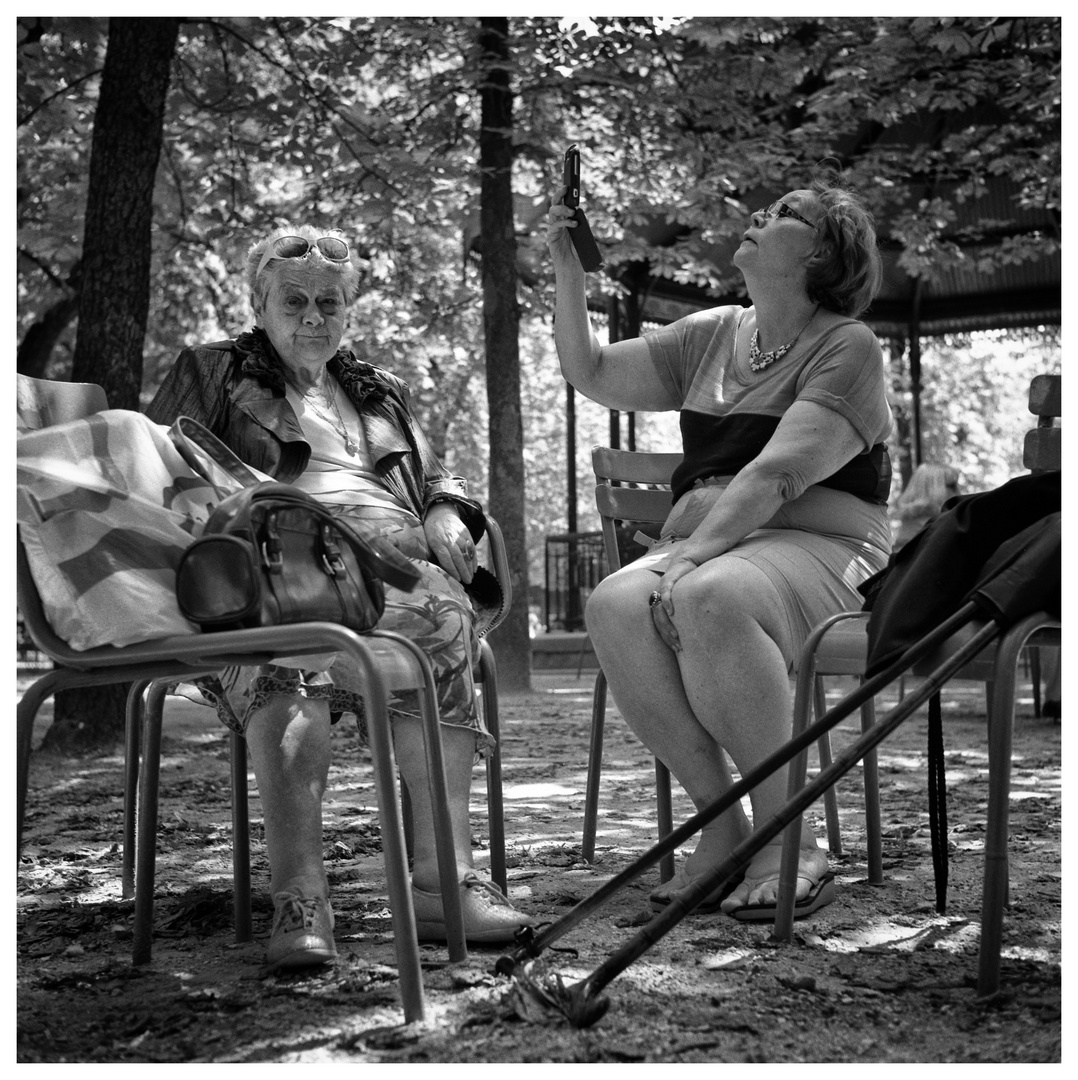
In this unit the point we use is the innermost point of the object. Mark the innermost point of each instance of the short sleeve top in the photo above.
(728, 412)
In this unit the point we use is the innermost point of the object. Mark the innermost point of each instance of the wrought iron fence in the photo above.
(575, 564)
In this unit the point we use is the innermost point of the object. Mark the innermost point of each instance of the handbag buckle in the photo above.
(333, 565)
(331, 554)
(271, 555)
(271, 547)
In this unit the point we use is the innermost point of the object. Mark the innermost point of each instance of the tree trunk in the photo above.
(115, 296)
(37, 346)
(501, 327)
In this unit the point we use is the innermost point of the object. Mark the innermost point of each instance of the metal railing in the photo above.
(575, 563)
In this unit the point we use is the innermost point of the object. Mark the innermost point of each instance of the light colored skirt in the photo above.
(815, 552)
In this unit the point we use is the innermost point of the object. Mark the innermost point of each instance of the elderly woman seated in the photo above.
(292, 403)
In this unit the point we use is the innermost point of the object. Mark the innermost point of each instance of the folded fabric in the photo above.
(106, 505)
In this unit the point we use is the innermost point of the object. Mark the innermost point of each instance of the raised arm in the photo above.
(619, 376)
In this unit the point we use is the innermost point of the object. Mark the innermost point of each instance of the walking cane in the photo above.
(582, 1002)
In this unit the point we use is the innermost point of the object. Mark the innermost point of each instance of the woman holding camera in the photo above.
(780, 510)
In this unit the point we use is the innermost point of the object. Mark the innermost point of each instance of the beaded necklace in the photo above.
(758, 360)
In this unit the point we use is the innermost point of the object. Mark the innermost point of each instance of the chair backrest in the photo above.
(1043, 449)
(630, 486)
(44, 403)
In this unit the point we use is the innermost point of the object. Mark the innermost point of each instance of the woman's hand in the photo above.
(662, 611)
(450, 541)
(559, 222)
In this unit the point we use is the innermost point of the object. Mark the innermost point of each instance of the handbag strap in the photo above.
(381, 558)
(376, 555)
(210, 457)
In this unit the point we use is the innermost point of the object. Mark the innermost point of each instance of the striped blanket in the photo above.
(106, 505)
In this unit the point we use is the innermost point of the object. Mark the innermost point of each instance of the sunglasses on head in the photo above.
(296, 247)
(780, 209)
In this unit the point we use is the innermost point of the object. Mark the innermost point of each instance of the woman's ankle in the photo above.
(310, 884)
(425, 876)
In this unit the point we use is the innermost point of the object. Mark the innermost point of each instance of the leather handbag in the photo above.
(272, 554)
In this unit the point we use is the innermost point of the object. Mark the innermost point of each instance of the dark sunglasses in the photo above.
(780, 210)
(296, 247)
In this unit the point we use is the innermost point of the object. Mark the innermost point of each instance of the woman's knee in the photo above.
(289, 720)
(726, 597)
(708, 594)
(611, 607)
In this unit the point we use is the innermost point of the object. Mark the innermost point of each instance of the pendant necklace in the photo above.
(758, 360)
(339, 425)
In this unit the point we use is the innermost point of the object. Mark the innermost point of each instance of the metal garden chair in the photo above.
(631, 486)
(386, 661)
(839, 646)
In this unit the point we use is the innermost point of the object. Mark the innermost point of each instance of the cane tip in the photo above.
(585, 1010)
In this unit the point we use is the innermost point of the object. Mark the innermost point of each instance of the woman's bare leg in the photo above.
(734, 639)
(646, 684)
(289, 744)
(488, 915)
(458, 747)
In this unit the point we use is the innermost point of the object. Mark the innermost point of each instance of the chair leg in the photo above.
(584, 646)
(807, 693)
(408, 818)
(1035, 679)
(1000, 738)
(663, 796)
(25, 715)
(398, 881)
(873, 824)
(495, 806)
(439, 794)
(791, 853)
(132, 741)
(664, 805)
(443, 834)
(830, 796)
(146, 848)
(595, 765)
(241, 838)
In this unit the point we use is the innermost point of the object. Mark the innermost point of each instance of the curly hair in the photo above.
(844, 268)
(351, 276)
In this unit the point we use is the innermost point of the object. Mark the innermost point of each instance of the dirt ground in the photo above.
(878, 976)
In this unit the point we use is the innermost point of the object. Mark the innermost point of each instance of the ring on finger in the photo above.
(654, 599)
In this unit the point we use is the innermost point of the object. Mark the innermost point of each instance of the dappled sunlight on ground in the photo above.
(879, 975)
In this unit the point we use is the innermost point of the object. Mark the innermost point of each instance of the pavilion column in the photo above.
(915, 370)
